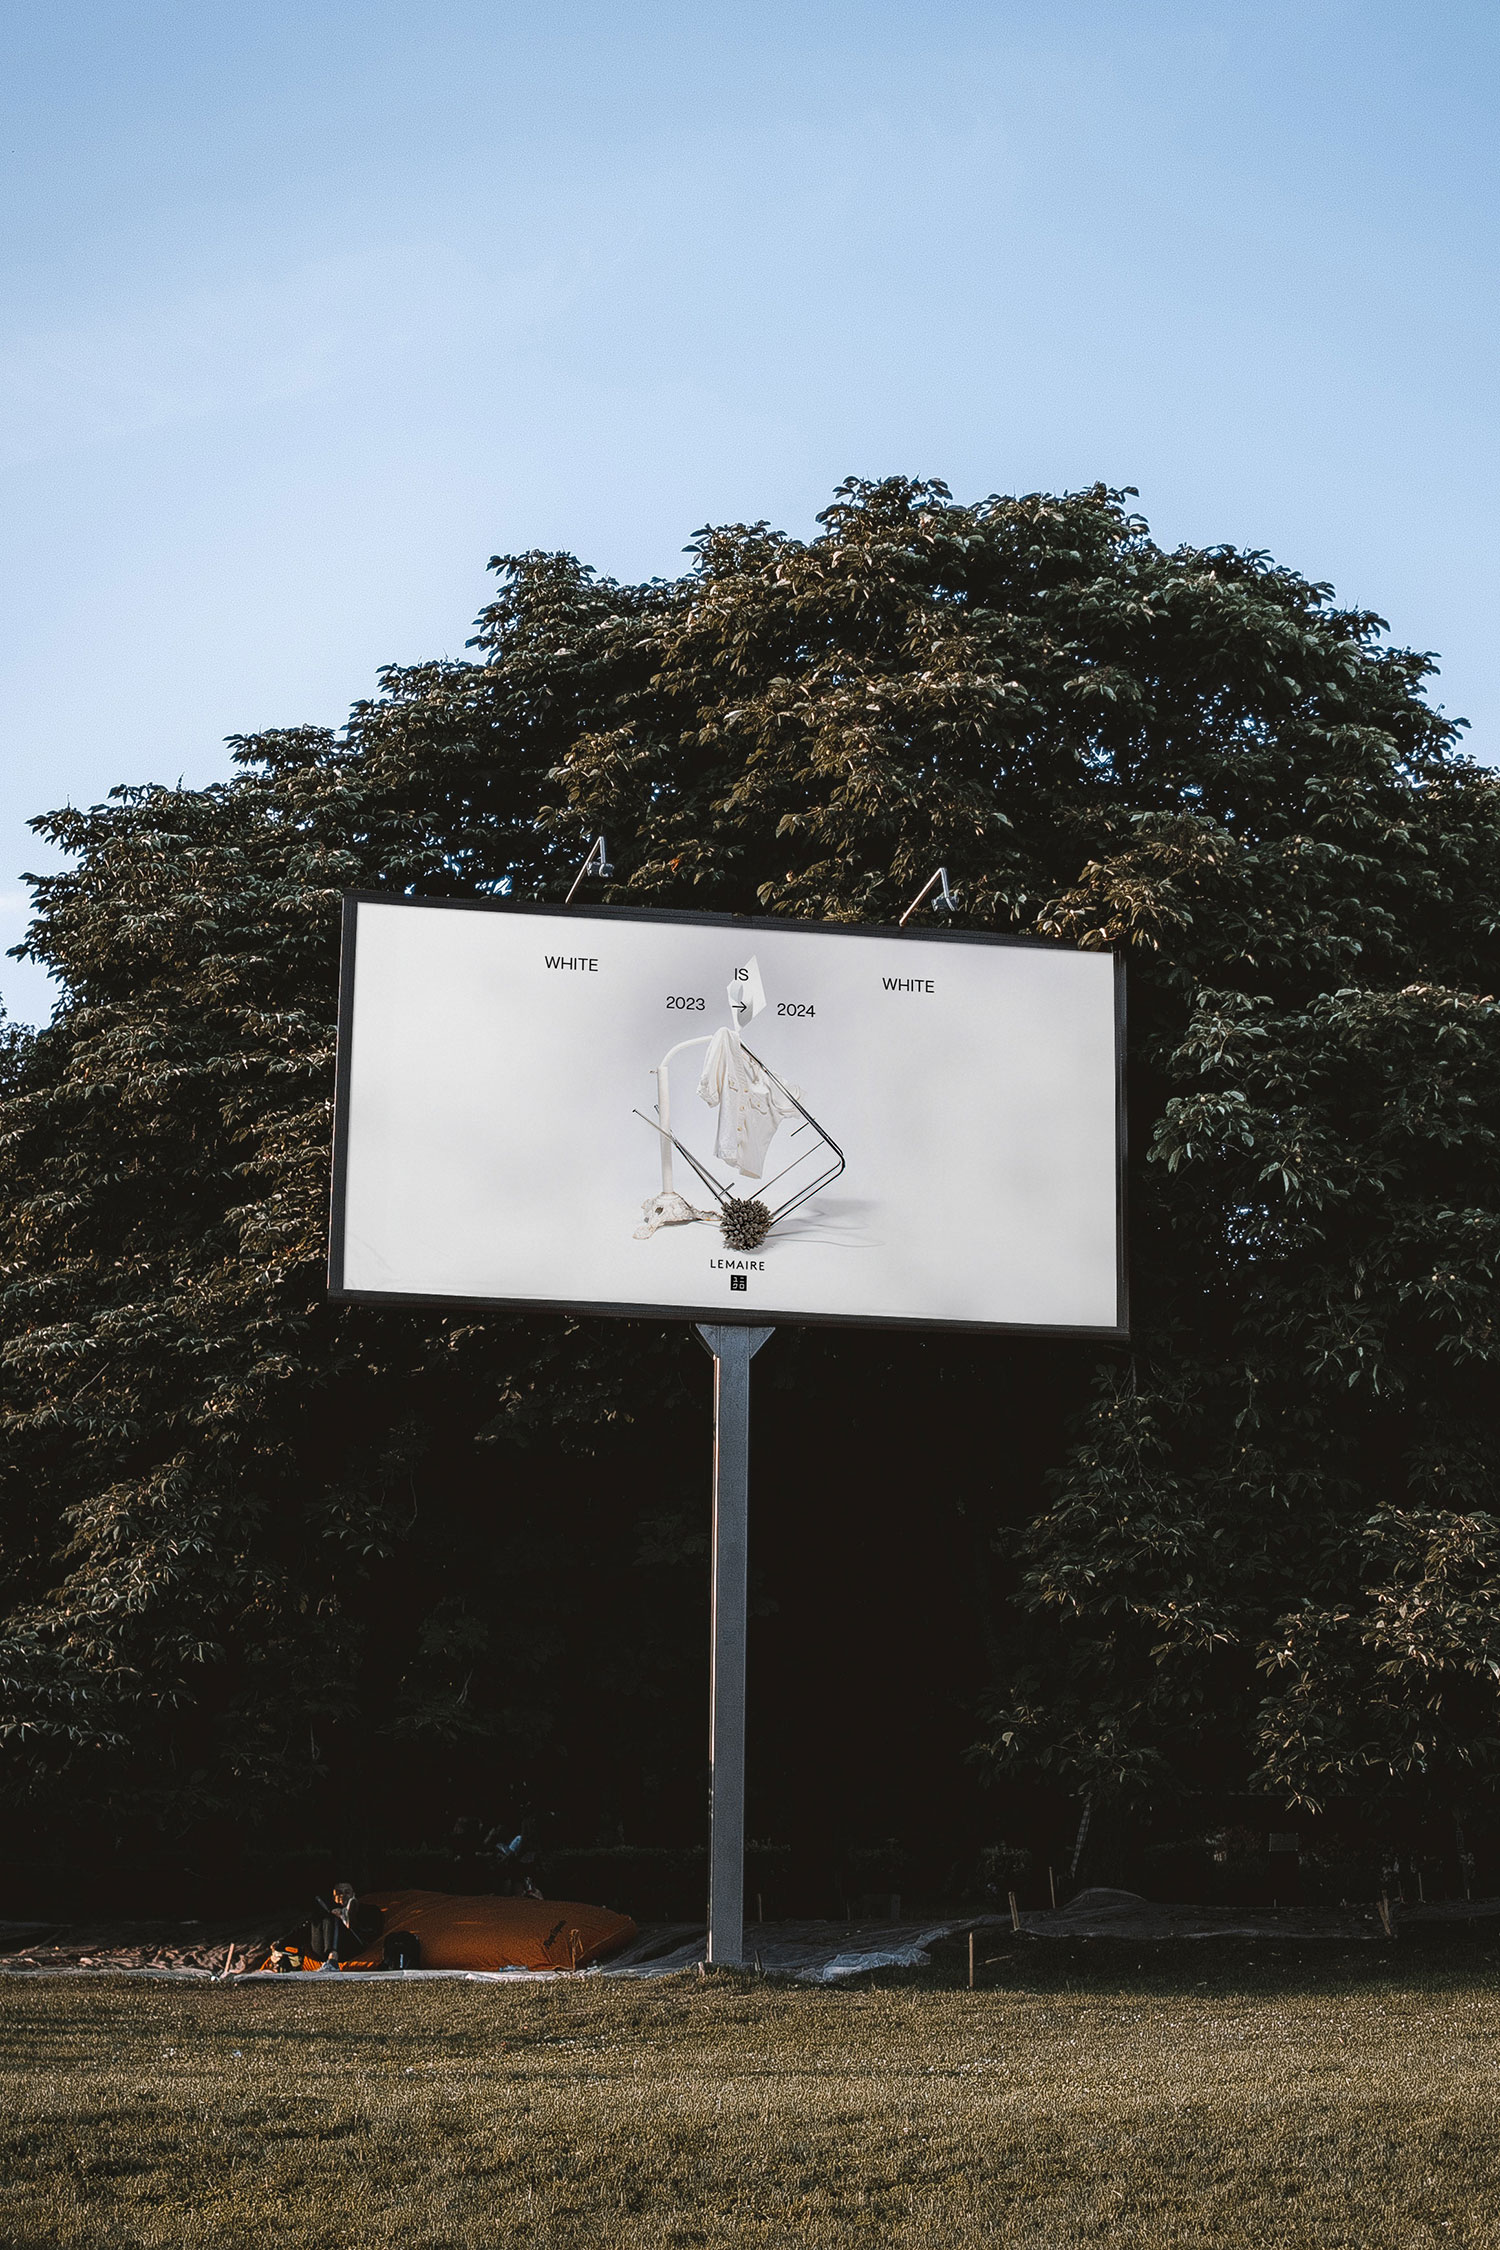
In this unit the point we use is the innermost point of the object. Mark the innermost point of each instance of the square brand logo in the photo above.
(739, 1281)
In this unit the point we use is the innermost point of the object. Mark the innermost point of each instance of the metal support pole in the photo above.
(733, 1348)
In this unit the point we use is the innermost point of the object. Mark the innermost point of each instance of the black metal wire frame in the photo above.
(824, 1179)
(725, 1196)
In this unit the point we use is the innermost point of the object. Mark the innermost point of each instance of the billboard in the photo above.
(717, 1118)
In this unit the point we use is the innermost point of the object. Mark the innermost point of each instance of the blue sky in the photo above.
(309, 309)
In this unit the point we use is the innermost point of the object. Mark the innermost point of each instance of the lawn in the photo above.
(1083, 2095)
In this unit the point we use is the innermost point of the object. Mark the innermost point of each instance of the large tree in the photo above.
(262, 1552)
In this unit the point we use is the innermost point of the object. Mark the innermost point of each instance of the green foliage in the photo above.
(1269, 1547)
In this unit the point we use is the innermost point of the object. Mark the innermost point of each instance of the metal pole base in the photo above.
(733, 1348)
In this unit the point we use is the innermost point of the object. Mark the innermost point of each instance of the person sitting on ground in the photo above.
(344, 1930)
(351, 1927)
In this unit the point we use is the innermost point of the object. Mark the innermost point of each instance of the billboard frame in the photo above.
(586, 1308)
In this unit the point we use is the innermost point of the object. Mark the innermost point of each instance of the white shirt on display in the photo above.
(750, 1107)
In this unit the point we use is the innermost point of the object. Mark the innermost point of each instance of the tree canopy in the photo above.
(250, 1538)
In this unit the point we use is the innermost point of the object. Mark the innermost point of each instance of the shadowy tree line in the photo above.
(277, 1567)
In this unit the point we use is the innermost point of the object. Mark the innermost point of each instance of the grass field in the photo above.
(1084, 2095)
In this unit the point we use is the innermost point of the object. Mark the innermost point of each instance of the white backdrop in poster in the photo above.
(494, 1062)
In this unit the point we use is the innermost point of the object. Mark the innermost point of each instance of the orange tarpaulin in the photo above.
(496, 1933)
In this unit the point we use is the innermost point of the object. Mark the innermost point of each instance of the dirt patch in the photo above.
(183, 1948)
(812, 1952)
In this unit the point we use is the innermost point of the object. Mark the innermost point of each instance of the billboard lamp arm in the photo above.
(597, 863)
(945, 902)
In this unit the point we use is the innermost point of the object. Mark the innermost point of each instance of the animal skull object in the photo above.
(668, 1209)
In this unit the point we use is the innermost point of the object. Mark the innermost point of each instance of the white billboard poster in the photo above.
(710, 1117)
